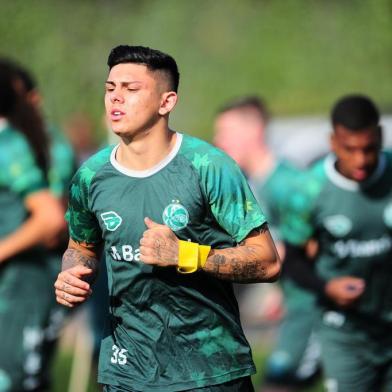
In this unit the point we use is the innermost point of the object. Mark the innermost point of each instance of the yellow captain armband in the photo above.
(191, 256)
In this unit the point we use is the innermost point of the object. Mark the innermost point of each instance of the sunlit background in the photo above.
(299, 55)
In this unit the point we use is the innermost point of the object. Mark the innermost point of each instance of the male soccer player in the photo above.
(240, 130)
(178, 224)
(346, 203)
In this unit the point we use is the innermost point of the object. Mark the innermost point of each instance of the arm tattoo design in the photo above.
(243, 264)
(73, 257)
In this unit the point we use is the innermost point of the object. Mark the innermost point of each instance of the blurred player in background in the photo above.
(174, 322)
(62, 166)
(240, 130)
(31, 219)
(345, 202)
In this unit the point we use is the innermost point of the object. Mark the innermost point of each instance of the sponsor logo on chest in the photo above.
(338, 225)
(174, 215)
(341, 226)
(111, 220)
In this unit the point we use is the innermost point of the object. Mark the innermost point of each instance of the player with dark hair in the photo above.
(30, 218)
(178, 224)
(240, 130)
(345, 203)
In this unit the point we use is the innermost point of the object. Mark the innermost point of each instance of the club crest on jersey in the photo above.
(338, 225)
(111, 220)
(175, 215)
(387, 215)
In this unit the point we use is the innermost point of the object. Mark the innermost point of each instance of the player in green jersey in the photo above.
(156, 203)
(240, 130)
(30, 218)
(346, 203)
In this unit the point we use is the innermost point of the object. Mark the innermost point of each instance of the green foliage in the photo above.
(300, 55)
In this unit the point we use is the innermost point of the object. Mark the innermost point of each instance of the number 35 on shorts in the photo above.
(119, 355)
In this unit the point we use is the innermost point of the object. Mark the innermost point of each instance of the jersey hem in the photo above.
(181, 386)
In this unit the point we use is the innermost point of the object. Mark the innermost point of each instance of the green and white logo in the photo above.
(175, 215)
(388, 215)
(112, 220)
(338, 225)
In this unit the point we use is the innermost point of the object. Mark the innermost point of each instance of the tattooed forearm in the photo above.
(73, 257)
(253, 260)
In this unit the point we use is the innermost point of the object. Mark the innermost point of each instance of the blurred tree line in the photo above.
(299, 54)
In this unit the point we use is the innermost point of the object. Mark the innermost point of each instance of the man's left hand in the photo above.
(159, 245)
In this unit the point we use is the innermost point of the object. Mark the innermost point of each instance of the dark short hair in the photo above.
(355, 112)
(8, 95)
(153, 59)
(251, 102)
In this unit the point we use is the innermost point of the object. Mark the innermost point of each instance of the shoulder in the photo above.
(15, 148)
(307, 186)
(92, 166)
(203, 155)
(13, 139)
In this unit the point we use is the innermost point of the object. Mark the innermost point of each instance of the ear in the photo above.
(332, 141)
(168, 101)
(381, 134)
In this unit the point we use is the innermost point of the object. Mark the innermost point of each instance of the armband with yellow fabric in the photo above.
(191, 256)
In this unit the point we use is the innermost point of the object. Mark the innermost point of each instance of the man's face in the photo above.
(237, 132)
(133, 97)
(357, 152)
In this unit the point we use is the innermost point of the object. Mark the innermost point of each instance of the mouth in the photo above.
(361, 174)
(116, 114)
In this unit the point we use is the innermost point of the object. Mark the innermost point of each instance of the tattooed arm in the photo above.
(254, 260)
(79, 269)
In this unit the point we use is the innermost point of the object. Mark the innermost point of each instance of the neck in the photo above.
(145, 150)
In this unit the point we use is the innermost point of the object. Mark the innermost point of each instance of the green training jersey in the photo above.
(19, 176)
(169, 331)
(25, 286)
(352, 222)
(272, 191)
(62, 163)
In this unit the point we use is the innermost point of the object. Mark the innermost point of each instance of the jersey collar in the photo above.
(149, 172)
(350, 185)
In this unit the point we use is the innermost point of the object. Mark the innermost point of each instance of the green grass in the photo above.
(62, 371)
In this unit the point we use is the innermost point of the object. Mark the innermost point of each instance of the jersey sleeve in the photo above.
(83, 225)
(63, 163)
(297, 225)
(231, 201)
(23, 174)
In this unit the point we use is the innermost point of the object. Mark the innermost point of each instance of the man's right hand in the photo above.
(71, 289)
(345, 290)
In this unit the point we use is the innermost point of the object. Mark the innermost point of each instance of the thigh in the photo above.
(23, 317)
(345, 367)
(387, 377)
(296, 354)
(243, 384)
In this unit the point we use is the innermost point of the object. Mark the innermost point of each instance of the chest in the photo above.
(120, 204)
(357, 215)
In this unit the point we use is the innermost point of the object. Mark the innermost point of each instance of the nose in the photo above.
(362, 159)
(116, 96)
